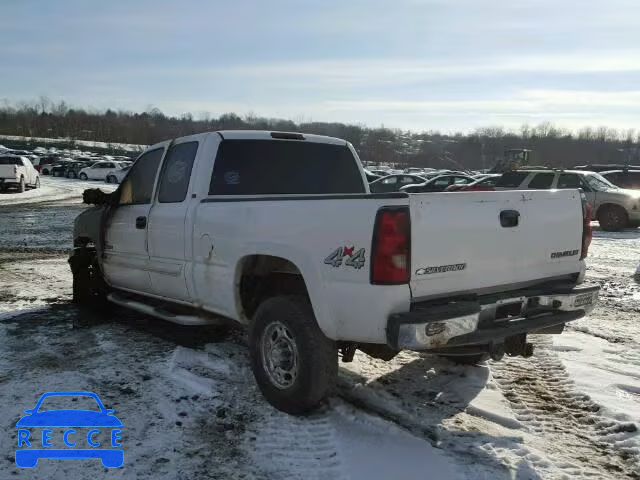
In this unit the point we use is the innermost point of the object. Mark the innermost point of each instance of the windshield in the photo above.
(66, 402)
(598, 182)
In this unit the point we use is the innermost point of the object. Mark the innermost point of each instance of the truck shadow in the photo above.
(431, 398)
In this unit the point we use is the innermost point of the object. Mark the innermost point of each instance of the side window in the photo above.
(569, 180)
(461, 180)
(541, 181)
(176, 172)
(511, 179)
(390, 181)
(408, 180)
(442, 182)
(137, 187)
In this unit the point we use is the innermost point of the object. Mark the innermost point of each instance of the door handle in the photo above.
(141, 222)
(509, 218)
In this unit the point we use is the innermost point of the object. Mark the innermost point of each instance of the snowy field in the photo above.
(191, 410)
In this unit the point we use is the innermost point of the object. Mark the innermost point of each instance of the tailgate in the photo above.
(459, 243)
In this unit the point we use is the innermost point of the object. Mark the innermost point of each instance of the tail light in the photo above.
(587, 231)
(390, 252)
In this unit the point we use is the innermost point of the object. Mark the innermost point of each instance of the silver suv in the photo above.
(615, 208)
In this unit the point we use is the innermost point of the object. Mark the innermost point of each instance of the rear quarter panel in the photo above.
(305, 232)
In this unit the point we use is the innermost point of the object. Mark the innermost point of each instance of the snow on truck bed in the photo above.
(191, 409)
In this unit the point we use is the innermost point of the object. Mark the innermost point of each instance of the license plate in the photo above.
(584, 299)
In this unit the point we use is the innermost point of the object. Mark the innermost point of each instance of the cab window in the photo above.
(137, 187)
(176, 172)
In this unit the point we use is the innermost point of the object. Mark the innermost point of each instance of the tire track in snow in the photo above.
(298, 447)
(572, 433)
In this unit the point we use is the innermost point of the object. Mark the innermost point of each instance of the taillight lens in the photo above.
(390, 253)
(587, 231)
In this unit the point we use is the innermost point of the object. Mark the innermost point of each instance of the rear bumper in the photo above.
(9, 181)
(490, 319)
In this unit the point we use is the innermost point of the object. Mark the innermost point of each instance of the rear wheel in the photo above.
(83, 176)
(112, 179)
(21, 185)
(612, 218)
(37, 182)
(294, 364)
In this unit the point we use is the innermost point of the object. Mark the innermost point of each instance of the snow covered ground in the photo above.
(191, 410)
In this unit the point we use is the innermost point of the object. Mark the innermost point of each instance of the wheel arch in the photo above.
(264, 275)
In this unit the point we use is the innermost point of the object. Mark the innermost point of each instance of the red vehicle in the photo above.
(485, 184)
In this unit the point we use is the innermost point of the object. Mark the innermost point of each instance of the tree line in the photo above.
(550, 145)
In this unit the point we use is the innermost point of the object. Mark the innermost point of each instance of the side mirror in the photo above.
(109, 411)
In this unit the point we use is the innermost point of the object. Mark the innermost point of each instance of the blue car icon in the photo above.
(28, 456)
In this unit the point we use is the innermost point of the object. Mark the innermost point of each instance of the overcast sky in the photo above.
(411, 64)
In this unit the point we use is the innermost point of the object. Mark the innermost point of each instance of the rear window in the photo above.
(541, 181)
(281, 167)
(511, 179)
(10, 161)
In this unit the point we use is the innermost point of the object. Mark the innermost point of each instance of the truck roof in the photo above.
(270, 135)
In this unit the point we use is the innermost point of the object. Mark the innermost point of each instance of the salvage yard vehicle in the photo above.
(393, 183)
(18, 172)
(438, 184)
(98, 171)
(615, 208)
(116, 175)
(278, 231)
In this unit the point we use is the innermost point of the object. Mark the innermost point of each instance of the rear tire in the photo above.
(21, 186)
(612, 218)
(37, 182)
(467, 359)
(294, 364)
(83, 176)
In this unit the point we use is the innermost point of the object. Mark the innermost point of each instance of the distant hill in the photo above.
(481, 149)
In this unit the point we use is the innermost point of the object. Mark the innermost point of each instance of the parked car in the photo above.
(45, 163)
(17, 171)
(371, 177)
(438, 184)
(98, 171)
(73, 168)
(605, 167)
(615, 208)
(278, 231)
(484, 184)
(116, 176)
(623, 178)
(393, 183)
(59, 169)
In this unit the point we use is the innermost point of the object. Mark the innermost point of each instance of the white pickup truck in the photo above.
(278, 231)
(18, 172)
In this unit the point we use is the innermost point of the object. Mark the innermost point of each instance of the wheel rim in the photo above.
(613, 218)
(279, 355)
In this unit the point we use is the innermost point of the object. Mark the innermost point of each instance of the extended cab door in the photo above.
(168, 235)
(126, 262)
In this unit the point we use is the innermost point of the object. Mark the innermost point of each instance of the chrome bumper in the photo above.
(488, 320)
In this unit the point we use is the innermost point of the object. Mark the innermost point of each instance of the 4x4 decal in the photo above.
(355, 259)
